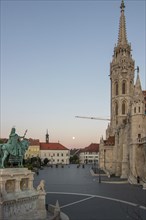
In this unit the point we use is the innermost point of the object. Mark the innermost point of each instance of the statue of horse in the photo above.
(7, 150)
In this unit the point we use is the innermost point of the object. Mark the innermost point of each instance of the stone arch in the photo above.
(124, 107)
(116, 107)
(124, 86)
(116, 88)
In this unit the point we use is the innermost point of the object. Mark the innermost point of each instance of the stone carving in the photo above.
(41, 186)
(19, 199)
(10, 186)
(15, 147)
(24, 184)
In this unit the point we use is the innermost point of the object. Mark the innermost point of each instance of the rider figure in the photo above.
(15, 141)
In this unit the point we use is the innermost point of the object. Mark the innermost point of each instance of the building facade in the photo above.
(33, 149)
(89, 155)
(56, 153)
(123, 153)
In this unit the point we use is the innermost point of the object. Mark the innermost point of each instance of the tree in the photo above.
(46, 161)
(74, 159)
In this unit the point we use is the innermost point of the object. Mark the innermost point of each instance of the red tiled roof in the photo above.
(91, 148)
(110, 140)
(52, 146)
(34, 141)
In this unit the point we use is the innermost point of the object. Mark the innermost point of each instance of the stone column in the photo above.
(17, 185)
(118, 162)
(124, 173)
(1, 206)
(133, 161)
(30, 183)
(2, 186)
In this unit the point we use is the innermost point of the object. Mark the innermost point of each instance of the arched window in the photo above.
(116, 88)
(123, 108)
(116, 108)
(124, 87)
(134, 109)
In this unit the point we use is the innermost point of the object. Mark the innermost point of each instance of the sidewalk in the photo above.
(104, 178)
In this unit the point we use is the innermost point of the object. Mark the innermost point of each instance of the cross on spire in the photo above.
(122, 6)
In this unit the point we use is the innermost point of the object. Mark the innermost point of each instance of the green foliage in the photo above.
(74, 159)
(31, 163)
(46, 161)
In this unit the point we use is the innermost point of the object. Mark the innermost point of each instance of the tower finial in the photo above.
(122, 6)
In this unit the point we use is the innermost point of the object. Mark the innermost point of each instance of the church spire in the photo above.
(137, 88)
(122, 38)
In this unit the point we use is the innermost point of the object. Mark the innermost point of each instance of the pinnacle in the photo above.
(122, 38)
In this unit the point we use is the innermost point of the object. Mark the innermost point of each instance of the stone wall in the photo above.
(18, 198)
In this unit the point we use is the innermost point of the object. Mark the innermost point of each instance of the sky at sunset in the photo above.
(55, 64)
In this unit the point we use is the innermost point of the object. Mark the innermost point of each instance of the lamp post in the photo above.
(99, 179)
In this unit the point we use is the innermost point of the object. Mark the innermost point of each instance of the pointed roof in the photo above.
(137, 88)
(122, 37)
(138, 83)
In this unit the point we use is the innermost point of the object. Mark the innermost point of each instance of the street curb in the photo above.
(108, 182)
(115, 182)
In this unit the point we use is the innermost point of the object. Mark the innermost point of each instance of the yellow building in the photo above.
(33, 149)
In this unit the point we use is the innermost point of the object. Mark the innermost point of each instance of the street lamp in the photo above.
(99, 179)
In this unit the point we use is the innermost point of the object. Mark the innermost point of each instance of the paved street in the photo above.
(82, 197)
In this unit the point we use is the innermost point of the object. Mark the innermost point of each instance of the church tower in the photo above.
(121, 76)
(47, 137)
(123, 152)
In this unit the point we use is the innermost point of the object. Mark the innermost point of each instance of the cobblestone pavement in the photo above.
(82, 197)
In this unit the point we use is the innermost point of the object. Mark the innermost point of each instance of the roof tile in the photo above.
(52, 146)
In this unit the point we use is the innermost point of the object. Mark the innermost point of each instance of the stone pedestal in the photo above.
(18, 198)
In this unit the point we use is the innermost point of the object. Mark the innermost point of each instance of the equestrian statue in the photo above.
(14, 149)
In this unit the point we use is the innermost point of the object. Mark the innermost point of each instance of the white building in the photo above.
(56, 153)
(89, 155)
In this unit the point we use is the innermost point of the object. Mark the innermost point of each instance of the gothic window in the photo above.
(124, 87)
(116, 88)
(123, 108)
(139, 109)
(116, 108)
(135, 110)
